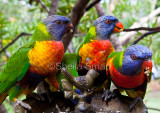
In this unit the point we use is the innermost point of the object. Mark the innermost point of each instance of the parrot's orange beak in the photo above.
(147, 66)
(69, 28)
(118, 27)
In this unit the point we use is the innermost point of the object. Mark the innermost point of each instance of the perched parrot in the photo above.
(131, 70)
(36, 60)
(96, 47)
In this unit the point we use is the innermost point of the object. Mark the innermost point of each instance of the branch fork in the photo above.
(84, 83)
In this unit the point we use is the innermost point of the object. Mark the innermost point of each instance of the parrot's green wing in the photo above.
(91, 35)
(15, 68)
(118, 59)
(70, 63)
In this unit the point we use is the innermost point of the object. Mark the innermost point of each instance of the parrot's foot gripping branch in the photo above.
(135, 102)
(108, 95)
(23, 104)
(36, 96)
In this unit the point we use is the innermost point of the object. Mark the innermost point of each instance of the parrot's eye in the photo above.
(107, 21)
(133, 57)
(58, 22)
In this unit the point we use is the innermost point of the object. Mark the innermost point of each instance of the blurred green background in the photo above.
(17, 16)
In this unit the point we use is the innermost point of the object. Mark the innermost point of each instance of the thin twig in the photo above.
(92, 4)
(79, 35)
(22, 34)
(6, 53)
(144, 35)
(44, 6)
(142, 28)
(156, 109)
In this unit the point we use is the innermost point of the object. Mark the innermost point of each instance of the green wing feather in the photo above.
(118, 59)
(18, 64)
(91, 35)
(15, 69)
(70, 63)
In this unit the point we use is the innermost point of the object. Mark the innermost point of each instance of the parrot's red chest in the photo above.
(124, 81)
(45, 57)
(94, 55)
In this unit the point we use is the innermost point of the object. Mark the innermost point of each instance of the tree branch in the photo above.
(60, 104)
(144, 35)
(57, 104)
(54, 7)
(22, 34)
(77, 12)
(100, 9)
(156, 109)
(142, 28)
(44, 6)
(92, 4)
(79, 35)
(125, 38)
(8, 55)
(2, 109)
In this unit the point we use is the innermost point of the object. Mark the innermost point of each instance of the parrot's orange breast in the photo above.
(45, 57)
(94, 55)
(124, 81)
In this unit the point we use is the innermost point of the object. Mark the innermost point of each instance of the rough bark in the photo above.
(77, 12)
(117, 105)
(100, 9)
(54, 7)
(3, 109)
(60, 104)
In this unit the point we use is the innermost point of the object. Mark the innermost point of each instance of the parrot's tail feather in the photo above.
(2, 97)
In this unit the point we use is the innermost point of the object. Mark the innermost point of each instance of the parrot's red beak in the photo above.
(69, 28)
(147, 66)
(118, 27)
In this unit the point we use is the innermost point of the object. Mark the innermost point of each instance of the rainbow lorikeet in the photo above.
(130, 70)
(36, 60)
(96, 47)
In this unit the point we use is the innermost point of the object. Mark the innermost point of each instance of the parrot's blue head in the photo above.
(106, 25)
(57, 26)
(136, 58)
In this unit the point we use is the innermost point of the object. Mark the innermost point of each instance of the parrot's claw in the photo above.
(23, 104)
(36, 96)
(49, 97)
(135, 101)
(108, 95)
